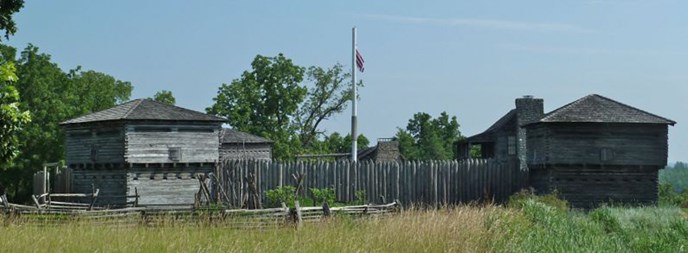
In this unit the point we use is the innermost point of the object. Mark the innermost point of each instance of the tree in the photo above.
(7, 8)
(95, 91)
(52, 96)
(329, 95)
(426, 138)
(335, 143)
(270, 100)
(165, 96)
(12, 117)
(262, 100)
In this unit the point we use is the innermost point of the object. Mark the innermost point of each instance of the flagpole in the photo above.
(354, 134)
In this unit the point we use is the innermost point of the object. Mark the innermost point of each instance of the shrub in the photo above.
(669, 196)
(323, 195)
(360, 197)
(604, 217)
(519, 200)
(284, 194)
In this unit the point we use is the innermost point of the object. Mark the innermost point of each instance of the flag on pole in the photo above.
(359, 61)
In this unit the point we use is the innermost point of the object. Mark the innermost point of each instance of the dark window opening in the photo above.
(152, 129)
(606, 154)
(94, 154)
(196, 130)
(175, 154)
(511, 145)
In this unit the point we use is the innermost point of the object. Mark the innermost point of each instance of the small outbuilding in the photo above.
(142, 146)
(238, 145)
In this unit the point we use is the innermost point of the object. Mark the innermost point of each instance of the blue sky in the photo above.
(469, 58)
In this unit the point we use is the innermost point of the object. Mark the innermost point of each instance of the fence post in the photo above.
(299, 219)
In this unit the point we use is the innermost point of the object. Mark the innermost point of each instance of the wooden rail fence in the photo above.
(235, 218)
(417, 182)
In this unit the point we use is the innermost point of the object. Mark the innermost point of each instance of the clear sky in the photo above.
(469, 58)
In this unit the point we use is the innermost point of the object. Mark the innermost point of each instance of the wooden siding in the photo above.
(587, 187)
(236, 151)
(169, 186)
(108, 142)
(538, 144)
(151, 144)
(624, 144)
(111, 183)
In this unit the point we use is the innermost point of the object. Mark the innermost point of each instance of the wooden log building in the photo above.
(156, 149)
(238, 145)
(591, 151)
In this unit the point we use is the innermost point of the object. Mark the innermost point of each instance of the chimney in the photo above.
(528, 110)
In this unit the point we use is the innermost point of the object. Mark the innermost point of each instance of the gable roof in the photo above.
(234, 136)
(503, 121)
(598, 109)
(144, 109)
(367, 153)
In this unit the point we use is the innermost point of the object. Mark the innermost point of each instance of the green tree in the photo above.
(335, 143)
(328, 95)
(271, 100)
(165, 96)
(426, 138)
(94, 91)
(7, 8)
(12, 117)
(52, 96)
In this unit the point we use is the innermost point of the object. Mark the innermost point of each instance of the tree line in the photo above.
(276, 99)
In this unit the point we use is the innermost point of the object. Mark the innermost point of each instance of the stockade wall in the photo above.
(427, 182)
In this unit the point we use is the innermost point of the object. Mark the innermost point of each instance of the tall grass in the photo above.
(531, 226)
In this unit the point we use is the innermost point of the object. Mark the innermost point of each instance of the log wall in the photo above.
(251, 151)
(147, 143)
(166, 186)
(94, 144)
(598, 143)
(589, 186)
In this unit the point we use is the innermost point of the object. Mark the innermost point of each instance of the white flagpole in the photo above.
(354, 134)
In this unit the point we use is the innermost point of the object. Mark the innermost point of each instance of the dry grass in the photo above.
(535, 227)
(459, 229)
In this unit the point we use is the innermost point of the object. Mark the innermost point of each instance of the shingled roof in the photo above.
(598, 109)
(144, 109)
(487, 134)
(234, 136)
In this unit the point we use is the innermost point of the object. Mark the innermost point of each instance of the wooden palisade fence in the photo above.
(409, 182)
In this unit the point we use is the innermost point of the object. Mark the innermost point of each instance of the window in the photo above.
(606, 154)
(175, 153)
(152, 129)
(196, 130)
(511, 145)
(94, 153)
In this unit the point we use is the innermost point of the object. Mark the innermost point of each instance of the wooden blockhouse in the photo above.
(155, 149)
(243, 146)
(591, 151)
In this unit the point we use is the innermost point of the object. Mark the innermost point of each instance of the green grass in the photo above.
(530, 226)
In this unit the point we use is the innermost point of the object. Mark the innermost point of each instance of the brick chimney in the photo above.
(528, 110)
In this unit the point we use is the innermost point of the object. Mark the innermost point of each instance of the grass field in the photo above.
(529, 226)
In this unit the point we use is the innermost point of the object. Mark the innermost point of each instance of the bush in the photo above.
(360, 197)
(520, 199)
(281, 194)
(323, 195)
(669, 196)
(604, 217)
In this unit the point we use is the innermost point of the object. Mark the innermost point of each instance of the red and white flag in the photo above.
(359, 61)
